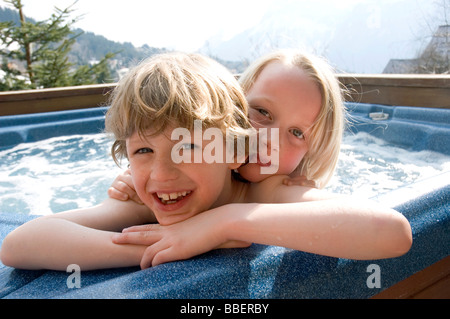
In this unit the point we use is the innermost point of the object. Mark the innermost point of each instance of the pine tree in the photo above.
(43, 48)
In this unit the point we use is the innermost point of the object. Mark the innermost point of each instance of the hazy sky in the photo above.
(356, 35)
(177, 24)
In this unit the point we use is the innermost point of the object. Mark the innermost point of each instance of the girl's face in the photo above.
(283, 97)
(176, 192)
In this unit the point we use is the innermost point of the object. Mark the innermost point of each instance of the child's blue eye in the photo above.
(297, 133)
(144, 150)
(264, 112)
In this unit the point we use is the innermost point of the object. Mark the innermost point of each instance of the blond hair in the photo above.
(325, 136)
(175, 89)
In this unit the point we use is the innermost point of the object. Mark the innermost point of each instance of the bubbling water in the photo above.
(56, 174)
(369, 166)
(72, 172)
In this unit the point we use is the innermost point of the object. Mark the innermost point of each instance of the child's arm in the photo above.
(338, 227)
(311, 220)
(81, 237)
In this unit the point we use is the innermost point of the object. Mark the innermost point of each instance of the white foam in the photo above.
(369, 166)
(56, 174)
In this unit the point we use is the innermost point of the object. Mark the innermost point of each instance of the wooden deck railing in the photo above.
(398, 89)
(405, 90)
(57, 99)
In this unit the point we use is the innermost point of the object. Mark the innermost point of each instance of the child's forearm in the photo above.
(330, 227)
(54, 243)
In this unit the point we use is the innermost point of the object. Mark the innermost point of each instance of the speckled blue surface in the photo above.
(255, 272)
(262, 271)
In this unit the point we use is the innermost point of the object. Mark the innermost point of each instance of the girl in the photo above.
(198, 206)
(300, 95)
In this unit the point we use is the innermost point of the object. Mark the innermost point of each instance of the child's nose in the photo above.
(163, 170)
(270, 140)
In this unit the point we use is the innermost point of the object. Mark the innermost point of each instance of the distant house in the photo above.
(401, 66)
(440, 42)
(433, 59)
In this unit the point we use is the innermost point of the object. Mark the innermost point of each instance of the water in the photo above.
(56, 174)
(75, 171)
(369, 166)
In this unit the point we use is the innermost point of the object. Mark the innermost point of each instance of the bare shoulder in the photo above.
(272, 190)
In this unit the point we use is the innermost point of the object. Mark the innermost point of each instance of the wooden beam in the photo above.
(386, 89)
(55, 99)
(400, 90)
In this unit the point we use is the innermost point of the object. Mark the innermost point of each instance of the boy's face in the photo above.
(176, 192)
(283, 97)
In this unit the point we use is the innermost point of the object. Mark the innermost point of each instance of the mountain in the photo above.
(90, 47)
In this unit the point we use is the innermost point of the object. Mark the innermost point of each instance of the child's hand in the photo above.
(179, 241)
(123, 189)
(299, 180)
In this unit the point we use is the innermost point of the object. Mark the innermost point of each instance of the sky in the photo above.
(174, 24)
(186, 25)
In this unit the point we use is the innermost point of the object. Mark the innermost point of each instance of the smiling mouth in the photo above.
(172, 198)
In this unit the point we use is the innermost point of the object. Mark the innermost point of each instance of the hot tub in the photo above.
(258, 271)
